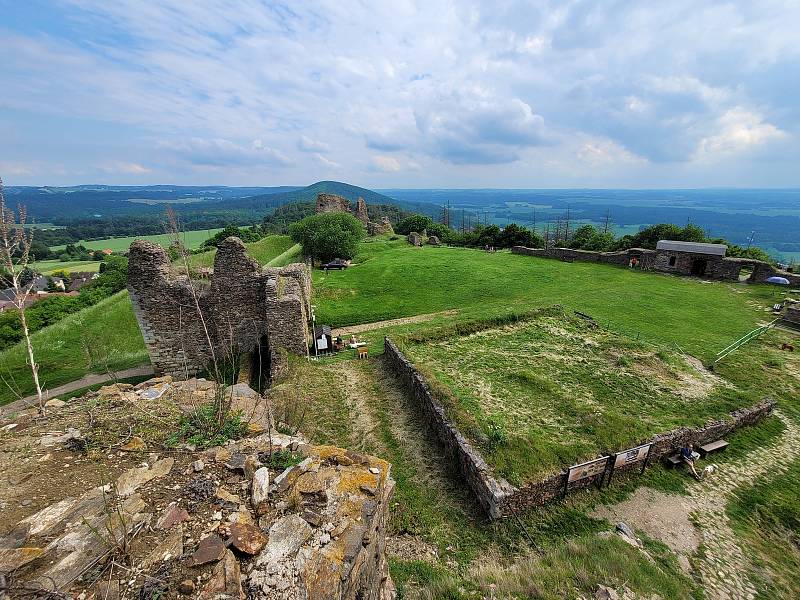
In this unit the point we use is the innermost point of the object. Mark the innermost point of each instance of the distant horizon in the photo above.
(687, 94)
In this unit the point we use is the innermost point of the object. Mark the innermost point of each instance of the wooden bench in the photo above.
(674, 460)
(712, 447)
(363, 352)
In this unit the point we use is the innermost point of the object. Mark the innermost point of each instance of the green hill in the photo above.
(103, 337)
(264, 251)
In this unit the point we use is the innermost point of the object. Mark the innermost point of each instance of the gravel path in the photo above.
(724, 566)
(391, 322)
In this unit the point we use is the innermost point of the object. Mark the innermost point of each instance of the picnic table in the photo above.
(356, 345)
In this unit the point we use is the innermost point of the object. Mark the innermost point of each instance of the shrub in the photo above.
(201, 428)
(327, 236)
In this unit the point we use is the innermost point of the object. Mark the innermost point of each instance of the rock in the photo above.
(286, 536)
(255, 428)
(218, 454)
(155, 392)
(9, 427)
(170, 547)
(198, 466)
(375, 470)
(605, 593)
(172, 515)
(247, 538)
(107, 590)
(251, 465)
(55, 403)
(186, 587)
(210, 549)
(226, 496)
(236, 462)
(312, 517)
(135, 444)
(21, 478)
(14, 558)
(225, 580)
(627, 534)
(65, 438)
(132, 479)
(260, 487)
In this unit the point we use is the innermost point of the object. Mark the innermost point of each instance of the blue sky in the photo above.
(401, 94)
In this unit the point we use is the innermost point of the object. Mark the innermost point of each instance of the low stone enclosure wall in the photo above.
(726, 269)
(501, 499)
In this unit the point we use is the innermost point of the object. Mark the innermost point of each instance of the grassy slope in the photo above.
(766, 518)
(264, 250)
(190, 239)
(395, 279)
(108, 328)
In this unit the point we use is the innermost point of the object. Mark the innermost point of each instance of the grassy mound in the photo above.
(394, 279)
(264, 251)
(97, 339)
(552, 390)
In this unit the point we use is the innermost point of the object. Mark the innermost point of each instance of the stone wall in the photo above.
(361, 211)
(332, 203)
(489, 491)
(725, 269)
(792, 314)
(501, 499)
(244, 305)
(414, 239)
(384, 227)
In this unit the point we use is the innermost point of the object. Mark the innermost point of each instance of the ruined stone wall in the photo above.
(501, 499)
(489, 491)
(792, 314)
(620, 258)
(414, 239)
(762, 271)
(361, 211)
(243, 304)
(384, 227)
(327, 203)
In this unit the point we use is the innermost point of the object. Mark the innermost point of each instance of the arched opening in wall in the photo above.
(672, 260)
(745, 272)
(261, 368)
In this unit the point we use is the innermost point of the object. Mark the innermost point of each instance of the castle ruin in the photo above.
(331, 203)
(245, 308)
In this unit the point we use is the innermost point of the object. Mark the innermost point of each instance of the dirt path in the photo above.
(723, 566)
(358, 388)
(85, 381)
(391, 322)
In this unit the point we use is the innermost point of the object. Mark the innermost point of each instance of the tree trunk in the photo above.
(31, 360)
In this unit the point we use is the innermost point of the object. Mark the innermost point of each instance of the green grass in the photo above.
(265, 251)
(394, 279)
(190, 239)
(102, 337)
(766, 519)
(48, 267)
(540, 394)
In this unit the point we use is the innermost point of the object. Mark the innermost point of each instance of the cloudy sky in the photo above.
(683, 93)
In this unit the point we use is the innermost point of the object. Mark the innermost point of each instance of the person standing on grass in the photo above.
(690, 457)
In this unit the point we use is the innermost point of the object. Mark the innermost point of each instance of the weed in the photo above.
(202, 428)
(280, 459)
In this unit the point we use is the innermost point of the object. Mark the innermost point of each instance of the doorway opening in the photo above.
(699, 267)
(261, 370)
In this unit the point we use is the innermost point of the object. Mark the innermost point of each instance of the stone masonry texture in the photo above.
(243, 306)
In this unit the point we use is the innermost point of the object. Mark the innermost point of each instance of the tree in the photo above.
(415, 223)
(15, 254)
(327, 236)
(588, 237)
(515, 235)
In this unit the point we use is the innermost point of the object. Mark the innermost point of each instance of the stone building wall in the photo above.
(384, 227)
(361, 211)
(332, 203)
(243, 306)
(501, 499)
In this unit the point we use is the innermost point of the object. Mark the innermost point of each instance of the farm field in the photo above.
(393, 279)
(48, 267)
(100, 338)
(190, 239)
(267, 251)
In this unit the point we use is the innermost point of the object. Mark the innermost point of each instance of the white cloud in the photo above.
(223, 153)
(127, 168)
(306, 144)
(385, 164)
(738, 130)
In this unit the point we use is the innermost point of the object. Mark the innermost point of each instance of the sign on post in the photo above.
(586, 470)
(631, 456)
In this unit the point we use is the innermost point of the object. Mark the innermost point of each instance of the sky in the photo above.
(636, 94)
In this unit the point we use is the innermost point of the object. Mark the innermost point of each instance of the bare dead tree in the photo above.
(15, 254)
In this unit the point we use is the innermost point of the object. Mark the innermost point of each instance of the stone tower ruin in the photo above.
(327, 203)
(246, 308)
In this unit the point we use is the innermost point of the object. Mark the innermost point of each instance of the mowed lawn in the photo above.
(552, 390)
(97, 339)
(190, 239)
(395, 279)
(267, 251)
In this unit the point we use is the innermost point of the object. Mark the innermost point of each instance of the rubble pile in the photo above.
(268, 516)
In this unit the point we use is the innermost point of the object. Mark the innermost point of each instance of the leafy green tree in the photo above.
(326, 236)
(588, 237)
(516, 235)
(415, 223)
